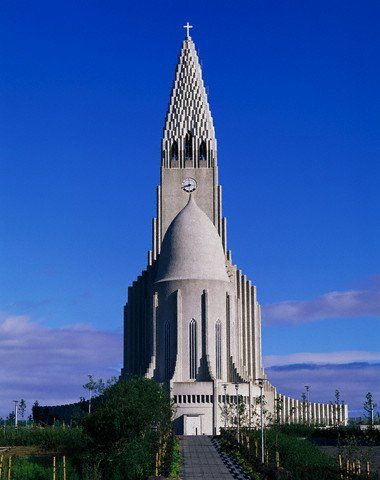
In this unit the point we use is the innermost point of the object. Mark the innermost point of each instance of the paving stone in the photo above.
(202, 458)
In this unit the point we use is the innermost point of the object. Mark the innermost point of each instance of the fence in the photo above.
(8, 464)
(249, 447)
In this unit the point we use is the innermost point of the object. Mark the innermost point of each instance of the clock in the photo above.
(189, 185)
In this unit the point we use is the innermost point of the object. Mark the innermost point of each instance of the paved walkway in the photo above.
(201, 459)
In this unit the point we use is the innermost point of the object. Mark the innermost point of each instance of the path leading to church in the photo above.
(202, 459)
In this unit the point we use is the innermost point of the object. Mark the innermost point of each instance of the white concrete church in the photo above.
(192, 319)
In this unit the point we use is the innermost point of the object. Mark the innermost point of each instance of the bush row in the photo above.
(118, 441)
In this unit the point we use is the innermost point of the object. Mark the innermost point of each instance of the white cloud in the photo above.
(353, 380)
(51, 364)
(345, 304)
(336, 358)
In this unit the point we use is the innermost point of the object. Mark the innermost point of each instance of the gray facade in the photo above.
(192, 320)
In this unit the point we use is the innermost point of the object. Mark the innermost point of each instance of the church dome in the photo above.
(191, 248)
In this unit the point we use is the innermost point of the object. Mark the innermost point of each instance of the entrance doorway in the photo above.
(193, 425)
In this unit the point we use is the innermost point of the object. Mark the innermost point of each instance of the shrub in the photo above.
(126, 410)
(126, 427)
(175, 459)
(299, 459)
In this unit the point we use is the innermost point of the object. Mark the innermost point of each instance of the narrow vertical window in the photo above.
(188, 146)
(193, 348)
(167, 350)
(202, 151)
(174, 151)
(218, 349)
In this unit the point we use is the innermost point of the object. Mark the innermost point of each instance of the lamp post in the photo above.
(261, 386)
(237, 411)
(225, 405)
(307, 387)
(16, 412)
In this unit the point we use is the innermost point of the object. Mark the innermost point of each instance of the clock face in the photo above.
(189, 185)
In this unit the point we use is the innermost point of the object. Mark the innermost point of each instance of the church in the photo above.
(192, 319)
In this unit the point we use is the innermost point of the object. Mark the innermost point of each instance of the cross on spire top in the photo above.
(187, 28)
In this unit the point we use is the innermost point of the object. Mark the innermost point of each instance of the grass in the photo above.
(120, 440)
(37, 468)
(52, 439)
(299, 458)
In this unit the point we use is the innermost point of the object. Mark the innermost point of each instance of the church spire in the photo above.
(189, 136)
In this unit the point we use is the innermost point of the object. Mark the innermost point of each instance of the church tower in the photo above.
(188, 149)
(192, 320)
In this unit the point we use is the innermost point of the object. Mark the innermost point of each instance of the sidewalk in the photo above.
(201, 460)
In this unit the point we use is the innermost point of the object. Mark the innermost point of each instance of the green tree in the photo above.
(127, 409)
(304, 404)
(22, 407)
(279, 405)
(35, 411)
(96, 388)
(369, 407)
(11, 418)
(90, 386)
(130, 420)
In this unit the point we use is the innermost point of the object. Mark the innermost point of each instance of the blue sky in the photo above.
(293, 88)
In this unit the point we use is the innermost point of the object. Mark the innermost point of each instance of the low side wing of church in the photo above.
(192, 321)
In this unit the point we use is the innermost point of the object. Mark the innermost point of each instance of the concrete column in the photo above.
(224, 233)
(293, 410)
(250, 329)
(244, 321)
(218, 218)
(330, 414)
(154, 237)
(287, 409)
(318, 419)
(178, 367)
(159, 220)
(326, 411)
(316, 412)
(228, 337)
(345, 414)
(283, 416)
(304, 411)
(254, 332)
(323, 415)
(259, 340)
(215, 423)
(238, 323)
(296, 411)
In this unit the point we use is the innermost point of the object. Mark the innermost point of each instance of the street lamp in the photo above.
(261, 386)
(238, 412)
(16, 412)
(225, 405)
